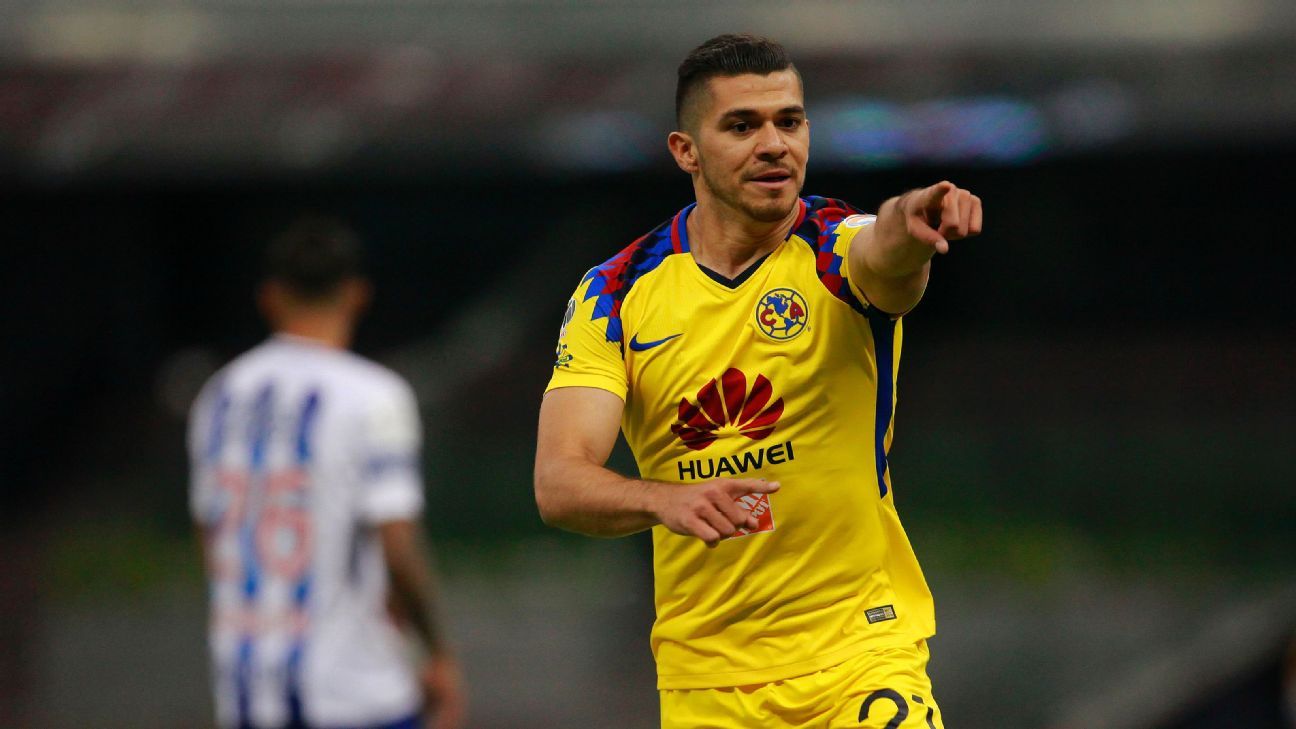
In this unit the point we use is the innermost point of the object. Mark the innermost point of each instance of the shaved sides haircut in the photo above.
(726, 55)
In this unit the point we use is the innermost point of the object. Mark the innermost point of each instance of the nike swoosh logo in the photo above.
(639, 346)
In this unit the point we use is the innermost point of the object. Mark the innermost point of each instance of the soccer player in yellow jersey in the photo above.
(748, 348)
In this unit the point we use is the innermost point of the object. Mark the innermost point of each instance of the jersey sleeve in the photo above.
(831, 227)
(589, 350)
(391, 436)
(846, 231)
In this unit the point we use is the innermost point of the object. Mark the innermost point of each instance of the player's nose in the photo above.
(770, 143)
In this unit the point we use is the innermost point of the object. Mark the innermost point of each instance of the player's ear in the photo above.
(683, 150)
(358, 292)
(269, 300)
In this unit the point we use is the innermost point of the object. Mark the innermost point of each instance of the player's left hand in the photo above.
(445, 702)
(939, 214)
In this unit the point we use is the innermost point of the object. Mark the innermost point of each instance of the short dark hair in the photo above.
(727, 55)
(313, 257)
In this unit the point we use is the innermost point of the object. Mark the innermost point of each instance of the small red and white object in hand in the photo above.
(758, 505)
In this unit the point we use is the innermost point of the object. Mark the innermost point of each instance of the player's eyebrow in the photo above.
(749, 113)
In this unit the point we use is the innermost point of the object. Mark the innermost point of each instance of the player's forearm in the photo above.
(576, 495)
(420, 605)
(414, 586)
(892, 267)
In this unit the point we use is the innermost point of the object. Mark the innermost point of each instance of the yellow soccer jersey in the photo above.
(786, 374)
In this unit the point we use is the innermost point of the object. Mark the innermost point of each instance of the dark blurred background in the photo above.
(1094, 452)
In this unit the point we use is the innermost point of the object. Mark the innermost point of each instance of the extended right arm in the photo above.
(574, 491)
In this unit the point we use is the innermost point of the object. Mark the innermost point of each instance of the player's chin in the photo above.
(771, 210)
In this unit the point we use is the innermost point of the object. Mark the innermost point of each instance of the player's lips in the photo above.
(772, 179)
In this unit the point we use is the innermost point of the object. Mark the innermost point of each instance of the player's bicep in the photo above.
(402, 545)
(578, 422)
(581, 412)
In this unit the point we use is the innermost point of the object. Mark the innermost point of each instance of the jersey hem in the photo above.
(726, 679)
(598, 382)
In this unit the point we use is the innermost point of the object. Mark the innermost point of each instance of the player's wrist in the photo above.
(902, 248)
(893, 211)
(651, 500)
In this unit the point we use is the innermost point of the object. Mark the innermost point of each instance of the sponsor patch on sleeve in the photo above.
(859, 221)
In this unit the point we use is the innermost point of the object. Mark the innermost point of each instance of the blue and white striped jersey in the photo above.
(298, 451)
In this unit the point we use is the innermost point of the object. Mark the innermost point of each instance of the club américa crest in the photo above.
(563, 358)
(782, 314)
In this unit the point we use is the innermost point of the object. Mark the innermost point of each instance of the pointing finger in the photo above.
(949, 215)
(918, 229)
(932, 199)
(974, 219)
(922, 212)
(963, 204)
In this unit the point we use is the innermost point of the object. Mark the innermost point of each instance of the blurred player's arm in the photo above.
(204, 535)
(574, 491)
(416, 595)
(890, 260)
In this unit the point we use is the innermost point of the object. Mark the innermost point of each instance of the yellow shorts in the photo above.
(882, 689)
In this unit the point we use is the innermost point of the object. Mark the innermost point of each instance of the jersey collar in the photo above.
(679, 226)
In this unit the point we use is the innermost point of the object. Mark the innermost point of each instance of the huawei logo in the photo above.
(728, 403)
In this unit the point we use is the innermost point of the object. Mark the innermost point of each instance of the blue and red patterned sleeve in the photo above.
(587, 354)
(591, 343)
(829, 226)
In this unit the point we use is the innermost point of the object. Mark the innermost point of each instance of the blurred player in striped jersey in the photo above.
(306, 488)
(748, 348)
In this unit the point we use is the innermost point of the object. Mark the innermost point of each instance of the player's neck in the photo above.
(728, 242)
(323, 328)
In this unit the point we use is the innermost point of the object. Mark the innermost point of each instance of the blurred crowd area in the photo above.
(1096, 404)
